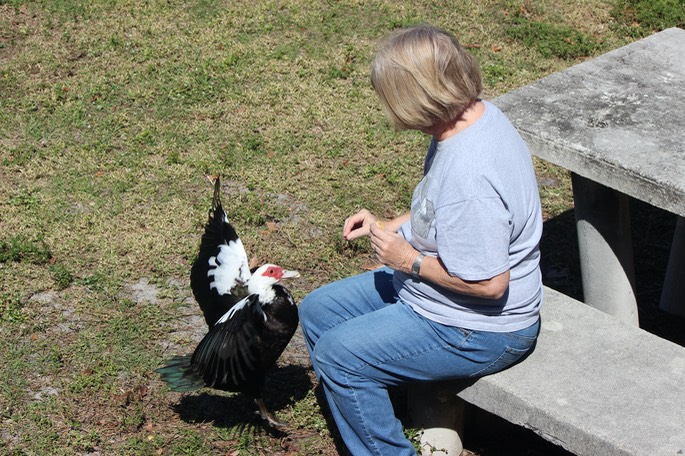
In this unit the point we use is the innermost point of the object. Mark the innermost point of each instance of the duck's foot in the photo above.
(267, 415)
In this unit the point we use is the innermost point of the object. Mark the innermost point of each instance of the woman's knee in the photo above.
(304, 308)
(327, 354)
(311, 306)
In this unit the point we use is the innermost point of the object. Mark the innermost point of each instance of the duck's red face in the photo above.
(278, 273)
(274, 272)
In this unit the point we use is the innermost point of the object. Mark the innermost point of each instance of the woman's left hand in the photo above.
(392, 249)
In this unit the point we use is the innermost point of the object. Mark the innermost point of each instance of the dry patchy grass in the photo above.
(111, 114)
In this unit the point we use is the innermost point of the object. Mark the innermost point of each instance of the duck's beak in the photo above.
(290, 274)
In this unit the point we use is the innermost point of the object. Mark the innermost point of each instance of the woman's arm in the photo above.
(395, 252)
(433, 270)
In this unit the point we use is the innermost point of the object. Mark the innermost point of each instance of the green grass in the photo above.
(18, 248)
(111, 114)
(642, 17)
(552, 40)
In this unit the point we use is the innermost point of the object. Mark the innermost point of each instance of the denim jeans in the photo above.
(362, 340)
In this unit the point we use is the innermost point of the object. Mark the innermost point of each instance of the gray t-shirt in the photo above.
(477, 208)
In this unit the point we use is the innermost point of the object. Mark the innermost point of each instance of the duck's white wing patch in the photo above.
(240, 305)
(229, 267)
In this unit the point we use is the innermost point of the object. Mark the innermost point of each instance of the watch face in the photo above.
(416, 267)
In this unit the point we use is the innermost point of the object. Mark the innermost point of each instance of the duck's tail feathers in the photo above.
(180, 376)
(216, 200)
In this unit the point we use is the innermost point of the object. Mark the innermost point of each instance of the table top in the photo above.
(618, 119)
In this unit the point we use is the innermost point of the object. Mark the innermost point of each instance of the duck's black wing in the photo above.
(220, 272)
(229, 356)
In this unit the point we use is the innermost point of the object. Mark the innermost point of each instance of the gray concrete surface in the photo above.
(617, 120)
(605, 249)
(593, 385)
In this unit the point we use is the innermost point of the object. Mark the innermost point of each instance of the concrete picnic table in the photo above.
(617, 122)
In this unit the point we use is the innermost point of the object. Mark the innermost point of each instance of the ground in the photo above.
(111, 115)
(486, 435)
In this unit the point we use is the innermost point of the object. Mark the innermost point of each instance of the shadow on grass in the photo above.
(652, 232)
(284, 387)
(560, 263)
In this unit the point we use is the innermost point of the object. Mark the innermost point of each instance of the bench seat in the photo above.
(593, 385)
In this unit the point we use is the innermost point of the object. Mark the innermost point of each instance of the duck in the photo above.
(251, 317)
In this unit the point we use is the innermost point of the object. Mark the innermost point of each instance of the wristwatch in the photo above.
(416, 267)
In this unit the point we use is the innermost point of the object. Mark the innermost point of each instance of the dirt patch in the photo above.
(142, 291)
(14, 25)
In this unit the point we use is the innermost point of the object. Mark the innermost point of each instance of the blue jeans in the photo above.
(362, 340)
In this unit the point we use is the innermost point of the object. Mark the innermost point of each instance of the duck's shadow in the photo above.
(284, 386)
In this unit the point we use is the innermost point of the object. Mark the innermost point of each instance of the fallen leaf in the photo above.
(124, 397)
(496, 47)
(253, 263)
(140, 392)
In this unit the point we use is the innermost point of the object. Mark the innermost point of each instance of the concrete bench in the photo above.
(593, 385)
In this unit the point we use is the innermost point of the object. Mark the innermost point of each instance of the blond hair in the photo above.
(424, 77)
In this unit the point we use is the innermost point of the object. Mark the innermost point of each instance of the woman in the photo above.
(461, 289)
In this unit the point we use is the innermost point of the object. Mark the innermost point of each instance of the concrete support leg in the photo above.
(606, 249)
(673, 293)
(440, 416)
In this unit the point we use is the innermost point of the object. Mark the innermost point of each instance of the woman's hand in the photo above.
(358, 225)
(392, 249)
(395, 252)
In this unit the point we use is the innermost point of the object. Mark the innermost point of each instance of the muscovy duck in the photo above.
(251, 317)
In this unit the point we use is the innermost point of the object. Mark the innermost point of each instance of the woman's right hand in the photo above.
(358, 225)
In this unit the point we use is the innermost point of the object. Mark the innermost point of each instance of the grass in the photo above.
(18, 249)
(640, 17)
(112, 113)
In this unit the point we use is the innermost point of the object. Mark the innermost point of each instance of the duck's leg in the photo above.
(267, 415)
